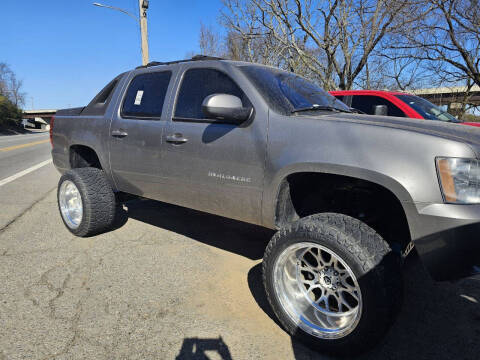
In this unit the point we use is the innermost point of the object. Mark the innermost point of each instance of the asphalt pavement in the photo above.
(173, 283)
(20, 154)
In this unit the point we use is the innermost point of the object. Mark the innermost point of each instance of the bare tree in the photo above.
(449, 39)
(394, 69)
(4, 74)
(210, 42)
(10, 86)
(331, 39)
(246, 39)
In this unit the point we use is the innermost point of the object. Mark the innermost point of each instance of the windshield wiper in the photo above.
(356, 111)
(320, 107)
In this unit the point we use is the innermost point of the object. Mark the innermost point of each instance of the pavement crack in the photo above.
(8, 224)
(32, 252)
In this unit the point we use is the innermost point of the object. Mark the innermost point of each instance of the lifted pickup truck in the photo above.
(350, 194)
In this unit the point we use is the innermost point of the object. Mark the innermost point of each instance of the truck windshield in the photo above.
(426, 109)
(286, 92)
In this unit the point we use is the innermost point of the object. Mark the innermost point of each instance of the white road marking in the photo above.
(24, 172)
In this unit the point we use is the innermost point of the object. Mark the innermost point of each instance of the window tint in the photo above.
(146, 95)
(284, 92)
(426, 109)
(100, 102)
(367, 103)
(106, 92)
(197, 84)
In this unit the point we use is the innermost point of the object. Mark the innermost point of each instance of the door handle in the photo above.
(119, 133)
(176, 139)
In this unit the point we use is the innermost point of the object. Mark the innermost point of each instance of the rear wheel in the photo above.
(86, 201)
(333, 282)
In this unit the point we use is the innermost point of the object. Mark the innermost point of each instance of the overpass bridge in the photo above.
(38, 118)
(452, 97)
(46, 115)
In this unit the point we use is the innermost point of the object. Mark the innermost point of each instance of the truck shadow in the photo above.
(200, 349)
(437, 321)
(226, 234)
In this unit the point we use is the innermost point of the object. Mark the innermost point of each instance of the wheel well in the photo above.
(304, 194)
(83, 156)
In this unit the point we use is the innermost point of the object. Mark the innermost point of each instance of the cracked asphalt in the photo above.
(173, 283)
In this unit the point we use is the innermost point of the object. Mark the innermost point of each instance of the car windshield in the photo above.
(426, 109)
(286, 92)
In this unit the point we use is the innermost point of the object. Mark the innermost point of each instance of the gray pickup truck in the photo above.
(350, 194)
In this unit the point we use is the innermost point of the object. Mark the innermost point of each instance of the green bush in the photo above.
(10, 115)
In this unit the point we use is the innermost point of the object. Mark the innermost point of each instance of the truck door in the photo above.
(136, 134)
(213, 166)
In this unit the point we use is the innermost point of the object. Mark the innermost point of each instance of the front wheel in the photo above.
(332, 282)
(86, 201)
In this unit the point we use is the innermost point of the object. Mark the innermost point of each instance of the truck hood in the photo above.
(452, 131)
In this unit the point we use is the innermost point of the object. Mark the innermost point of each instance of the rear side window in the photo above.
(146, 95)
(367, 103)
(197, 84)
(100, 102)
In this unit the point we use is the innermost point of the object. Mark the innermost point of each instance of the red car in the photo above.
(392, 103)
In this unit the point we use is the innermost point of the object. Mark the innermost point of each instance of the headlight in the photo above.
(459, 180)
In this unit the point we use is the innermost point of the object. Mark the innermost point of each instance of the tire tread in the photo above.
(97, 197)
(372, 253)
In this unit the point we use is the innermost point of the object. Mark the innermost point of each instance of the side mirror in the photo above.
(225, 107)
(380, 110)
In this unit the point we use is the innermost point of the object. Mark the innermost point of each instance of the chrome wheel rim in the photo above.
(317, 290)
(71, 205)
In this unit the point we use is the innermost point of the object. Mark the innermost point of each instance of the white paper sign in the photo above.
(138, 98)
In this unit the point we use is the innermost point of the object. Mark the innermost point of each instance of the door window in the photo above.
(197, 84)
(146, 95)
(367, 103)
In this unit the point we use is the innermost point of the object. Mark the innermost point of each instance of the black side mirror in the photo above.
(225, 107)
(380, 110)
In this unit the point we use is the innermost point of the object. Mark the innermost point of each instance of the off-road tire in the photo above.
(376, 267)
(98, 200)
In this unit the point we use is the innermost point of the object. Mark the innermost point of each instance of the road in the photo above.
(18, 154)
(173, 283)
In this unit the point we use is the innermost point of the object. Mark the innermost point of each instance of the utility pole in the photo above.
(141, 20)
(142, 7)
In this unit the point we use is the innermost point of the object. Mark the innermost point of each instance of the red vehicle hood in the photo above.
(477, 124)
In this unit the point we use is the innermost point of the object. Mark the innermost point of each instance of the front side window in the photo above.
(367, 103)
(285, 92)
(426, 109)
(146, 95)
(197, 84)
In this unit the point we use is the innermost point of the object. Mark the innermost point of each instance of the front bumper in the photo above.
(447, 238)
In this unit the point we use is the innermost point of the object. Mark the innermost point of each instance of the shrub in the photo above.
(10, 115)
